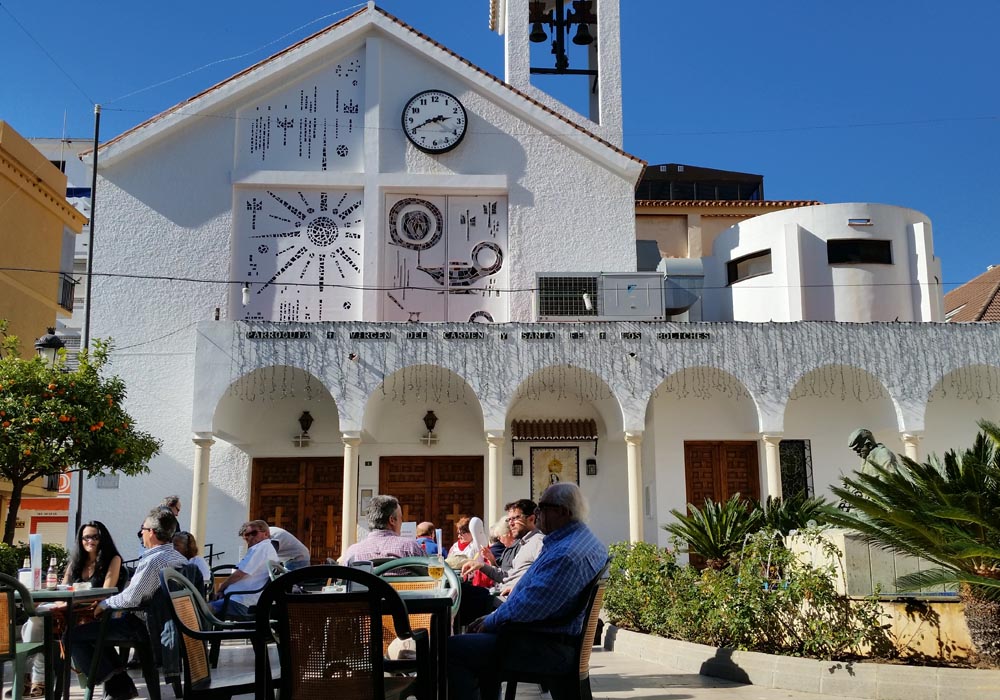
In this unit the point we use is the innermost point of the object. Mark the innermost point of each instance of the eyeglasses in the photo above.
(249, 533)
(514, 518)
(97, 538)
(142, 530)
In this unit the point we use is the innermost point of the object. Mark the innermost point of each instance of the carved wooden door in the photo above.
(717, 470)
(439, 489)
(303, 496)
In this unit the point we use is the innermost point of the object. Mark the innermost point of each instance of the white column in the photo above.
(494, 440)
(633, 445)
(772, 459)
(349, 510)
(911, 445)
(199, 486)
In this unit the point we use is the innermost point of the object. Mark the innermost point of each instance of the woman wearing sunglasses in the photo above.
(95, 559)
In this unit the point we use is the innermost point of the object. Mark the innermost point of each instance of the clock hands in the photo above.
(438, 118)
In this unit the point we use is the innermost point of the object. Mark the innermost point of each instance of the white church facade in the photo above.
(348, 243)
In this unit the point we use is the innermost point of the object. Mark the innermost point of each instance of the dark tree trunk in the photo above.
(17, 487)
(982, 615)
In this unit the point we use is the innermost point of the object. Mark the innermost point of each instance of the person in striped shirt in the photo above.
(157, 534)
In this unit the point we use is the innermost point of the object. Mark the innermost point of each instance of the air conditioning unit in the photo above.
(599, 296)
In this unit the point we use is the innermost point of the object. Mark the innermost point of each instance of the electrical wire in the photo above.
(390, 288)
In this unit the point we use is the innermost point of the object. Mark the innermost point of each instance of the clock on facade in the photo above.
(434, 121)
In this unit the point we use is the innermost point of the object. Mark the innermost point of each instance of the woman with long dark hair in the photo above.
(95, 558)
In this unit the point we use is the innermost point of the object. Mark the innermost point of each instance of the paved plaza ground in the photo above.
(612, 676)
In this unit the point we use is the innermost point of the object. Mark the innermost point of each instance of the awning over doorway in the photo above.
(554, 431)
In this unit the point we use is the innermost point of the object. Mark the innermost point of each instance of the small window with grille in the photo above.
(795, 457)
(564, 296)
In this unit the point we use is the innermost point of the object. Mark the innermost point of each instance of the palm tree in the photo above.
(946, 511)
(717, 530)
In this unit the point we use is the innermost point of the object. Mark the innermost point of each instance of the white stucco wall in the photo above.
(803, 286)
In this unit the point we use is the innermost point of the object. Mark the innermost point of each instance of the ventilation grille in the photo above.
(562, 297)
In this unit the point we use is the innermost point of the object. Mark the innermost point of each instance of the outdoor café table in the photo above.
(72, 598)
(437, 603)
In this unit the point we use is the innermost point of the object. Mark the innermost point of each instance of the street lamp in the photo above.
(48, 346)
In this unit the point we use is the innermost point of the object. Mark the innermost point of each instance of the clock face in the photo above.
(434, 121)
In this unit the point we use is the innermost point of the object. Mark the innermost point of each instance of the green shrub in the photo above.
(796, 512)
(12, 556)
(716, 531)
(766, 600)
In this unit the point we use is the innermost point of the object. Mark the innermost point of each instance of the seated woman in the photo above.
(186, 544)
(463, 542)
(94, 560)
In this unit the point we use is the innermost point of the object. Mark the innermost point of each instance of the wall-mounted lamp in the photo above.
(517, 467)
(591, 467)
(48, 346)
(305, 422)
(430, 420)
(588, 303)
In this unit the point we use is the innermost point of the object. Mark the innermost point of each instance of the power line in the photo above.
(438, 288)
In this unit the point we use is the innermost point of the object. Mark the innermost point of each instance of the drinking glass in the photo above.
(435, 570)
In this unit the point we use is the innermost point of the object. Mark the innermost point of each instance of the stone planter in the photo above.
(848, 679)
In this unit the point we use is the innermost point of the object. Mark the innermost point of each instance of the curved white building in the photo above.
(829, 262)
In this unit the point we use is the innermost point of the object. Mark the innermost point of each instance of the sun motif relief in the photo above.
(300, 252)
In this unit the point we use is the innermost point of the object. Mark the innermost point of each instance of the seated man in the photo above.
(291, 552)
(425, 536)
(157, 534)
(251, 573)
(385, 520)
(528, 541)
(571, 557)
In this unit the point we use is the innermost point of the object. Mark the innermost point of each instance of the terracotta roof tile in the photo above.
(978, 300)
(539, 430)
(734, 203)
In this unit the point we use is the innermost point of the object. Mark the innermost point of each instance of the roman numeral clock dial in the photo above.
(300, 254)
(434, 121)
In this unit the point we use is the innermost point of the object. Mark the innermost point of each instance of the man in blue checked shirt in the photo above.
(550, 590)
(157, 534)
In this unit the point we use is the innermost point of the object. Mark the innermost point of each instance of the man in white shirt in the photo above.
(251, 573)
(291, 552)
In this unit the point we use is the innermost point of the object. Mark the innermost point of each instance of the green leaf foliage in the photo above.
(716, 530)
(53, 420)
(946, 511)
(766, 601)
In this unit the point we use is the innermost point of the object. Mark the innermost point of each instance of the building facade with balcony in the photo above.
(343, 247)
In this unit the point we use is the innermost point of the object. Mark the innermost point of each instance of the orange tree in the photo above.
(53, 419)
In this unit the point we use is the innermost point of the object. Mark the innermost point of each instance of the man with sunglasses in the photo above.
(157, 533)
(537, 629)
(251, 573)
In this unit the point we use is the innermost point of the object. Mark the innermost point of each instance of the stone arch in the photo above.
(394, 411)
(826, 404)
(259, 413)
(956, 403)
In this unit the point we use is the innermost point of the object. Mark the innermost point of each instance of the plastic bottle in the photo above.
(24, 574)
(51, 577)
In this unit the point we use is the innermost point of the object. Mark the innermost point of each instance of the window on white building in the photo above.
(795, 457)
(748, 266)
(853, 251)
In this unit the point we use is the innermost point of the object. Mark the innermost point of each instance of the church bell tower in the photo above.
(569, 48)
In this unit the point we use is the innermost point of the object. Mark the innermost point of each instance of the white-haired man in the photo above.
(548, 592)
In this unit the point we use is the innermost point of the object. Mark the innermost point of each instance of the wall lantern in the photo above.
(517, 467)
(430, 420)
(591, 467)
(48, 346)
(305, 422)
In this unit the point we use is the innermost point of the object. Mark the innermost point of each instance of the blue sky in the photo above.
(891, 101)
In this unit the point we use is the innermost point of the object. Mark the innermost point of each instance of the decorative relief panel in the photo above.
(317, 124)
(444, 259)
(299, 252)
